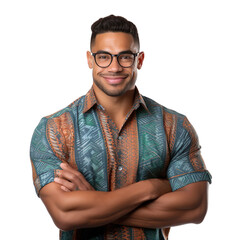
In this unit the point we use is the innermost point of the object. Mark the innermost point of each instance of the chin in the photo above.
(114, 93)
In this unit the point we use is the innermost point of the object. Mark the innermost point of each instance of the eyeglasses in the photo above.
(104, 59)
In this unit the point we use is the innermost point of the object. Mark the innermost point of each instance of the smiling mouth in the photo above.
(114, 79)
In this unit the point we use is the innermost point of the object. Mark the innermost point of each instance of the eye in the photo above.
(103, 56)
(126, 57)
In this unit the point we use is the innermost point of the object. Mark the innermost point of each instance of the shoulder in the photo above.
(176, 125)
(60, 121)
(166, 113)
(56, 132)
(70, 109)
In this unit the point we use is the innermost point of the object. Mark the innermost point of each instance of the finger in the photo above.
(65, 189)
(67, 167)
(65, 183)
(69, 176)
(75, 180)
(83, 181)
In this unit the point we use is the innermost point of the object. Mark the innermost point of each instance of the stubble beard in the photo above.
(116, 93)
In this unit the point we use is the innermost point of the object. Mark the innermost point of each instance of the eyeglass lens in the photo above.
(105, 59)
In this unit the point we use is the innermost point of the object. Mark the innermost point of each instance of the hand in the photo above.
(71, 179)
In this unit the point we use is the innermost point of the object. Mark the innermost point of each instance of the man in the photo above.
(114, 164)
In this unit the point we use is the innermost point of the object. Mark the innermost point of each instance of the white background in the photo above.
(192, 65)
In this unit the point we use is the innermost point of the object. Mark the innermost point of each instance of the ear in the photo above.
(90, 60)
(140, 60)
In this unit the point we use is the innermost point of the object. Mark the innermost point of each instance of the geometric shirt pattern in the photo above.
(154, 142)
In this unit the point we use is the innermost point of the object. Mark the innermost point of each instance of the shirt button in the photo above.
(120, 137)
(120, 168)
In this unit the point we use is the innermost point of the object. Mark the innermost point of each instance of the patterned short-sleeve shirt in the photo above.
(154, 142)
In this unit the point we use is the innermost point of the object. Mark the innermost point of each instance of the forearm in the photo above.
(171, 209)
(85, 209)
(88, 209)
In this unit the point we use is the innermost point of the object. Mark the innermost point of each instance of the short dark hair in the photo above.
(113, 23)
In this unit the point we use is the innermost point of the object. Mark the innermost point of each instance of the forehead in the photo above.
(114, 42)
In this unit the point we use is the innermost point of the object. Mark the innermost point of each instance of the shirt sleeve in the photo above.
(186, 165)
(44, 161)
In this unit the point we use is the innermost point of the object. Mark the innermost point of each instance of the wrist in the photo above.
(158, 187)
(150, 188)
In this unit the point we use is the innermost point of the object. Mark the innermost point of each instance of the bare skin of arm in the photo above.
(186, 205)
(87, 209)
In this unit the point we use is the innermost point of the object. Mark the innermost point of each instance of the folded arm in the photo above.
(186, 205)
(86, 209)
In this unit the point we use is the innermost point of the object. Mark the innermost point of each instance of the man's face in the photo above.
(114, 80)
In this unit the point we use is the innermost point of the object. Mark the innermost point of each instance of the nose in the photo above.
(114, 66)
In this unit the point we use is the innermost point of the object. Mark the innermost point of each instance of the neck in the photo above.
(117, 107)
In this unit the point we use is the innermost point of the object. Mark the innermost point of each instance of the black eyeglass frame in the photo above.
(114, 55)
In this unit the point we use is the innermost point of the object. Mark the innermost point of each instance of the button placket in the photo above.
(120, 137)
(120, 168)
(119, 153)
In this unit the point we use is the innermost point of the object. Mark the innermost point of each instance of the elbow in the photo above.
(64, 226)
(61, 222)
(200, 217)
(200, 213)
(200, 209)
(65, 222)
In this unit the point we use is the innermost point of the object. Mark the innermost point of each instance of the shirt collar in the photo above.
(139, 101)
(91, 101)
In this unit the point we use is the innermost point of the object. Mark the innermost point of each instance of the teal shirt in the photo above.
(168, 147)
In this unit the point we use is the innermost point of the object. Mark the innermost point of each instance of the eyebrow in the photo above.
(122, 52)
